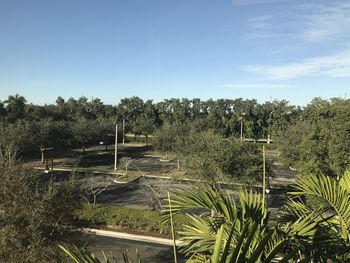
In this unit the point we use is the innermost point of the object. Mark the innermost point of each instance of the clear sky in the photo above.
(157, 49)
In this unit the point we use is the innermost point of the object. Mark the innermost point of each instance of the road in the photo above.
(114, 247)
(142, 192)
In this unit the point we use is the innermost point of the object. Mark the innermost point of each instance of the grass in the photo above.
(129, 219)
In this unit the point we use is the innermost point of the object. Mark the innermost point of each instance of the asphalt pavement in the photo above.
(114, 248)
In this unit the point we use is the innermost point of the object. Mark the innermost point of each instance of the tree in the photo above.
(318, 141)
(321, 203)
(229, 232)
(214, 158)
(95, 108)
(146, 123)
(15, 107)
(104, 128)
(83, 132)
(93, 188)
(2, 111)
(156, 192)
(34, 213)
(125, 162)
(130, 109)
(165, 139)
(145, 126)
(79, 255)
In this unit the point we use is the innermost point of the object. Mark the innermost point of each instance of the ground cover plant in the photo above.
(130, 219)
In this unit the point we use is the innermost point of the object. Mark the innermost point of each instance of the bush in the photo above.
(130, 218)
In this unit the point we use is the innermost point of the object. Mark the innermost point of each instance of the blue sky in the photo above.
(157, 49)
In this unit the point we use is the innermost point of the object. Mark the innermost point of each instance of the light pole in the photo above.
(266, 187)
(116, 147)
(264, 178)
(241, 119)
(123, 131)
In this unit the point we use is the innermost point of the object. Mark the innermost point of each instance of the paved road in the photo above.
(114, 247)
(141, 193)
(138, 194)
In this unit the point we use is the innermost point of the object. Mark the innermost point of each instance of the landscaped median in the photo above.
(130, 220)
(123, 178)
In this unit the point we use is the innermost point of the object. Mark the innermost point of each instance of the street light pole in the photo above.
(116, 147)
(264, 179)
(123, 131)
(242, 116)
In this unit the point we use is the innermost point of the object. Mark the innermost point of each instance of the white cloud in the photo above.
(256, 86)
(337, 65)
(328, 21)
(308, 22)
(261, 27)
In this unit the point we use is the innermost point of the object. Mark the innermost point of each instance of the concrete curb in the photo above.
(122, 235)
(76, 170)
(133, 180)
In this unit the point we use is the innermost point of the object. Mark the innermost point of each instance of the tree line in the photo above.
(313, 138)
(80, 121)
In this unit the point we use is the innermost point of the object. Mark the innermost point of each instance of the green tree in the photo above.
(34, 214)
(321, 202)
(15, 107)
(231, 231)
(214, 158)
(146, 123)
(83, 132)
(104, 130)
(130, 109)
(319, 141)
(2, 111)
(164, 140)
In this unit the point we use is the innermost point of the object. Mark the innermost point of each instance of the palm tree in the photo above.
(322, 202)
(228, 232)
(79, 255)
(15, 106)
(315, 226)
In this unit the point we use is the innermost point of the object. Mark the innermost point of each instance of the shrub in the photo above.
(130, 218)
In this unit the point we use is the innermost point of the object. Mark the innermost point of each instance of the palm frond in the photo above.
(204, 197)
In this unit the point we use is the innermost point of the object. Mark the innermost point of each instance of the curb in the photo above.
(133, 180)
(122, 235)
(75, 170)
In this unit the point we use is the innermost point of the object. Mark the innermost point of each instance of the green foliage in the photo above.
(15, 107)
(33, 213)
(214, 158)
(83, 131)
(79, 255)
(319, 141)
(146, 122)
(232, 233)
(80, 121)
(2, 111)
(128, 218)
(326, 223)
(169, 138)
